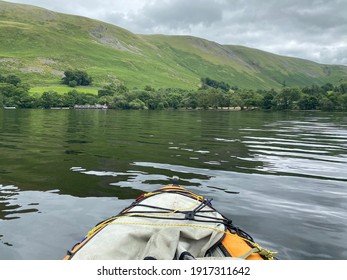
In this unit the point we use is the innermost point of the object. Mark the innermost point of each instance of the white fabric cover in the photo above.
(134, 238)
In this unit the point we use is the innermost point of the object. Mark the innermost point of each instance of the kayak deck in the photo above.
(169, 223)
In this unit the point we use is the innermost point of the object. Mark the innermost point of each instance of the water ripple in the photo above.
(301, 148)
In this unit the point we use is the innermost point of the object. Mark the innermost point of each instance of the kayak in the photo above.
(166, 224)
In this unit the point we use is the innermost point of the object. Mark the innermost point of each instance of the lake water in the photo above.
(281, 177)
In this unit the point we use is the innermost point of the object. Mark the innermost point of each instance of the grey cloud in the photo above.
(181, 13)
(307, 29)
(174, 16)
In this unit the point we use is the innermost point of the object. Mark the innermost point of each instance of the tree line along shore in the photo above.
(211, 94)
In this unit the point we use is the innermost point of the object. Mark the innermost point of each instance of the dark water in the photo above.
(282, 177)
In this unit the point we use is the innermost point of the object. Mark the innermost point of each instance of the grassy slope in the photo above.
(45, 42)
(39, 45)
(294, 71)
(38, 90)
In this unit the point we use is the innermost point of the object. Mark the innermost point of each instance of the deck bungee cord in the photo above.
(190, 227)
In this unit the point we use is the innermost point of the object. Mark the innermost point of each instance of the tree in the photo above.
(190, 100)
(76, 78)
(327, 87)
(174, 99)
(13, 80)
(51, 99)
(143, 95)
(108, 90)
(112, 89)
(343, 88)
(73, 83)
(342, 100)
(105, 100)
(203, 99)
(268, 100)
(308, 102)
(286, 98)
(71, 98)
(26, 101)
(120, 102)
(149, 88)
(88, 99)
(137, 104)
(214, 97)
(156, 101)
(236, 100)
(250, 98)
(17, 96)
(208, 82)
(326, 104)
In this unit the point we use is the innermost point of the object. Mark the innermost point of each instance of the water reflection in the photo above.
(43, 225)
(279, 176)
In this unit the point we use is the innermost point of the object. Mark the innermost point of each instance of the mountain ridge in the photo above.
(39, 45)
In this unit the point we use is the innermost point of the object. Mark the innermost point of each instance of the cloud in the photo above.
(170, 16)
(185, 15)
(314, 30)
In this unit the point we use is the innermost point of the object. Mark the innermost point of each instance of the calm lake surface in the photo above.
(281, 177)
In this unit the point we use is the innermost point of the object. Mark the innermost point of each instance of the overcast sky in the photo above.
(311, 29)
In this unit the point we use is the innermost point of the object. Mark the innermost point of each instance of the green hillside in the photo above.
(38, 45)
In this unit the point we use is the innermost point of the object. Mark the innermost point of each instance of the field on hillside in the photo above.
(61, 89)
